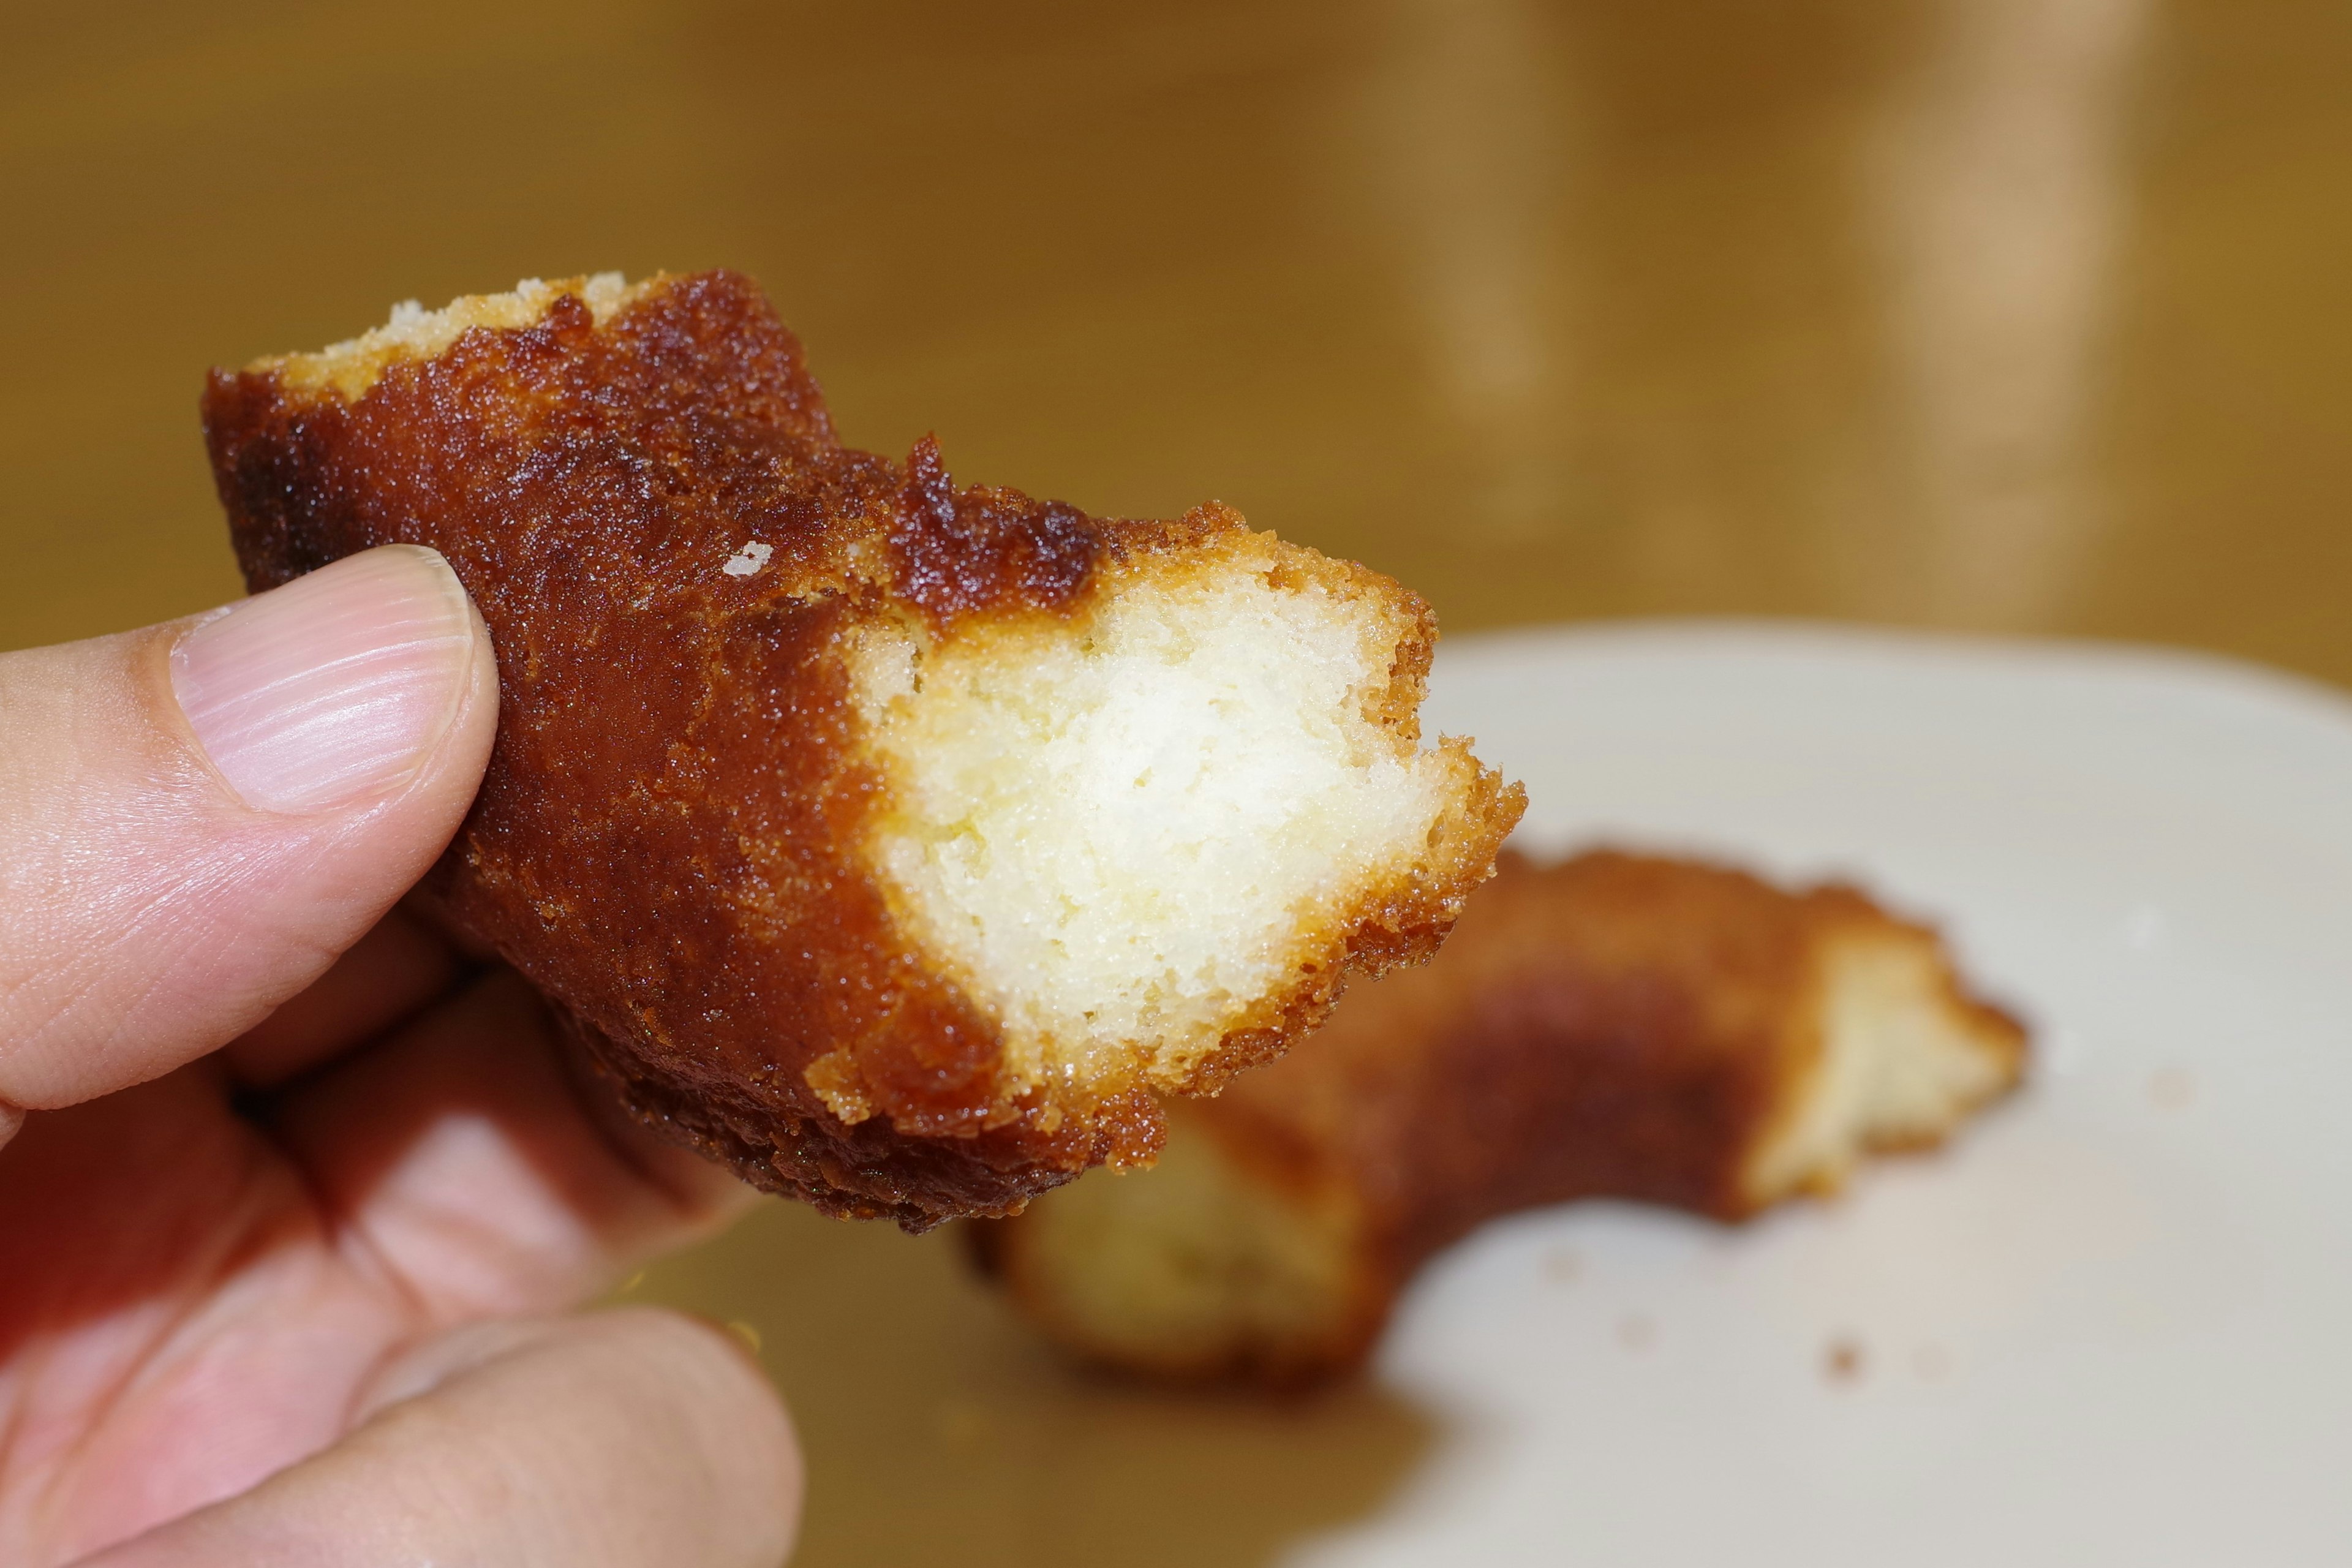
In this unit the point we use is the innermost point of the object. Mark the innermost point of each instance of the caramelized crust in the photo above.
(1615, 1025)
(642, 492)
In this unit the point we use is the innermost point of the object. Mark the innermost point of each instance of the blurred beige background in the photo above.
(2022, 315)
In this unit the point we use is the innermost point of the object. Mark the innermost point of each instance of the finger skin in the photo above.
(623, 1439)
(388, 976)
(193, 1298)
(147, 914)
(471, 1161)
(175, 1325)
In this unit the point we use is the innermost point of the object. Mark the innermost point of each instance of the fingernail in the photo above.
(333, 687)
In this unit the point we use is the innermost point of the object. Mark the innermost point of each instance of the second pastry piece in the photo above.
(1616, 1026)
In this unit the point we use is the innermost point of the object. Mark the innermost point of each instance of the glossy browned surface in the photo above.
(1614, 1026)
(2019, 314)
(665, 840)
(669, 839)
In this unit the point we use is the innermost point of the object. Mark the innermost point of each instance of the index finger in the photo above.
(629, 1439)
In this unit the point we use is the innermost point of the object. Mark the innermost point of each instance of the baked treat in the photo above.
(894, 841)
(1615, 1025)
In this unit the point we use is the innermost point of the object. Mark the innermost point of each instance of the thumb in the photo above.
(196, 818)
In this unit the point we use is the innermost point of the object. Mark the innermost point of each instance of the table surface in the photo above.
(2021, 315)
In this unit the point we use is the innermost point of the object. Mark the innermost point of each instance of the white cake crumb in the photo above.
(350, 368)
(1120, 844)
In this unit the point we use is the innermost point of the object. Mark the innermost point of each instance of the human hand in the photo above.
(299, 1186)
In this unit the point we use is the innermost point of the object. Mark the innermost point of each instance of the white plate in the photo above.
(2114, 1323)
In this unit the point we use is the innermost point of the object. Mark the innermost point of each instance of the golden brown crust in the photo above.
(666, 839)
(1616, 1026)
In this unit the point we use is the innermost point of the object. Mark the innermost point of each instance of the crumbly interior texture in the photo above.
(1902, 1062)
(1198, 1266)
(1272, 1240)
(1128, 838)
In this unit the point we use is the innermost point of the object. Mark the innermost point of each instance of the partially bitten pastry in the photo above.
(897, 842)
(1615, 1025)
